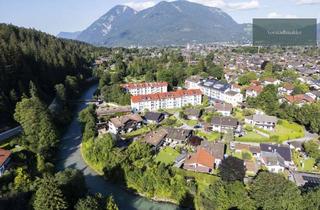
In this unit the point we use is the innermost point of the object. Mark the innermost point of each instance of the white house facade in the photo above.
(167, 100)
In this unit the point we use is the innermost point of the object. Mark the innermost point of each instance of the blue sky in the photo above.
(53, 16)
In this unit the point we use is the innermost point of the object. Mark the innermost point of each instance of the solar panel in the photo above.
(315, 180)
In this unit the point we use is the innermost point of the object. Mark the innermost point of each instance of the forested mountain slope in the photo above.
(29, 55)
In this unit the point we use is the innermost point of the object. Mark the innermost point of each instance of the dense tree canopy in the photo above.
(272, 191)
(232, 169)
(39, 133)
(28, 55)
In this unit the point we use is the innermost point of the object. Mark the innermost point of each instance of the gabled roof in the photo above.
(201, 157)
(154, 116)
(283, 150)
(299, 98)
(192, 112)
(178, 134)
(4, 155)
(122, 120)
(155, 137)
(255, 88)
(223, 106)
(215, 149)
(263, 118)
(224, 121)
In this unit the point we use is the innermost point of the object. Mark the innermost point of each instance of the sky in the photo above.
(54, 16)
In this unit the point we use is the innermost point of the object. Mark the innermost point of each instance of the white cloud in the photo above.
(140, 5)
(244, 5)
(211, 3)
(253, 4)
(301, 2)
(277, 15)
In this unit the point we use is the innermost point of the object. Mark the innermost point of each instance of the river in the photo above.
(69, 156)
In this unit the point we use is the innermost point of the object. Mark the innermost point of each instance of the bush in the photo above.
(246, 155)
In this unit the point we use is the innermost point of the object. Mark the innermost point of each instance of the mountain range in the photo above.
(167, 23)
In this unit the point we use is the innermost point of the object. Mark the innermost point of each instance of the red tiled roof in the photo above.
(256, 88)
(144, 85)
(298, 98)
(201, 157)
(165, 95)
(4, 155)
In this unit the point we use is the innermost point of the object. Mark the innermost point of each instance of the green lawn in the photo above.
(167, 155)
(244, 155)
(211, 136)
(172, 121)
(203, 180)
(284, 131)
(308, 164)
(252, 136)
(190, 122)
(138, 132)
(238, 115)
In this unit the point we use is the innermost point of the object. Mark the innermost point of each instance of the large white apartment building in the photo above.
(220, 91)
(166, 100)
(145, 88)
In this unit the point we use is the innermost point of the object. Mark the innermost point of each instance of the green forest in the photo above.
(29, 57)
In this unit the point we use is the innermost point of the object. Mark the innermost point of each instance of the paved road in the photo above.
(70, 157)
(308, 136)
(10, 133)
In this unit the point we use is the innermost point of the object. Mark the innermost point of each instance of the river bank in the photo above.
(156, 199)
(69, 156)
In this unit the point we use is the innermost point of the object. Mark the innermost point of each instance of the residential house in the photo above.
(296, 145)
(177, 135)
(271, 81)
(220, 91)
(201, 161)
(216, 149)
(124, 124)
(299, 99)
(102, 128)
(265, 122)
(254, 150)
(5, 156)
(284, 152)
(236, 88)
(156, 138)
(145, 88)
(286, 89)
(104, 110)
(253, 90)
(306, 180)
(154, 117)
(168, 100)
(224, 108)
(224, 124)
(192, 114)
(273, 162)
(193, 82)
